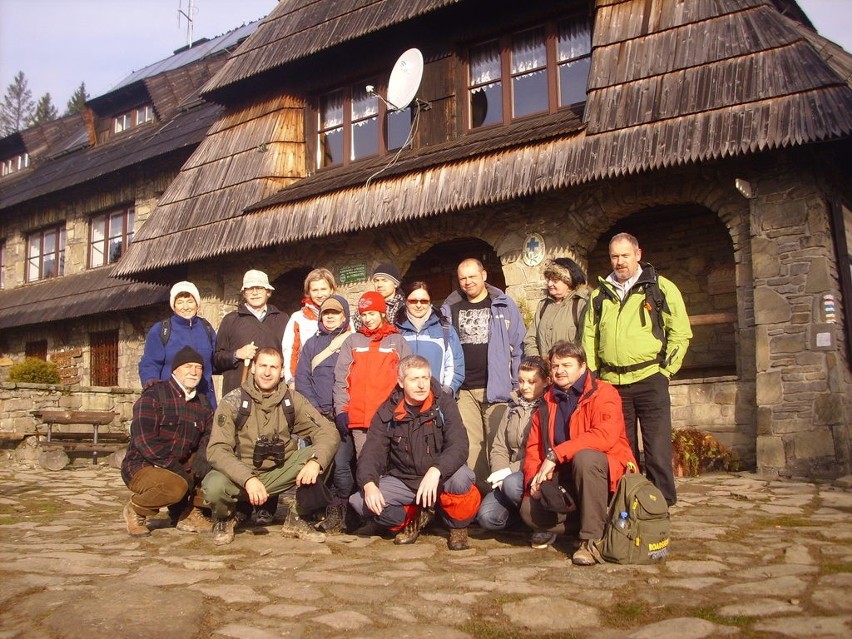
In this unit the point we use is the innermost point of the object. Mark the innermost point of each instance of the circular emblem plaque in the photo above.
(533, 249)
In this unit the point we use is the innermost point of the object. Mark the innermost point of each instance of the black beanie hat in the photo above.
(388, 270)
(186, 355)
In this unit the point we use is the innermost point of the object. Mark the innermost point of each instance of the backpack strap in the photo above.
(165, 330)
(246, 405)
(325, 353)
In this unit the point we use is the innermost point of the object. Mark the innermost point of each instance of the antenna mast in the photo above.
(190, 9)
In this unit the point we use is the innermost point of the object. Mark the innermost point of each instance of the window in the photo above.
(109, 236)
(14, 164)
(353, 125)
(133, 118)
(533, 71)
(104, 349)
(46, 254)
(2, 264)
(36, 349)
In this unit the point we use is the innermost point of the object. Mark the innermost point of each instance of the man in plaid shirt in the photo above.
(171, 421)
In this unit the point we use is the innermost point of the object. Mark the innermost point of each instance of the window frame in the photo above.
(15, 163)
(58, 252)
(128, 219)
(130, 119)
(348, 122)
(505, 49)
(2, 264)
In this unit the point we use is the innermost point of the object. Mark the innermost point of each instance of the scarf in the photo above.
(417, 323)
(378, 334)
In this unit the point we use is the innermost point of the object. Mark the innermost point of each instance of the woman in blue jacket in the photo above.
(431, 335)
(184, 328)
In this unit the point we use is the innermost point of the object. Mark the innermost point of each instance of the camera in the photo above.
(268, 447)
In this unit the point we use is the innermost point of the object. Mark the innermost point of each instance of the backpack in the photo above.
(576, 315)
(166, 330)
(639, 527)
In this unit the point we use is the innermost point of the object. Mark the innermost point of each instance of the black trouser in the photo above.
(586, 477)
(648, 400)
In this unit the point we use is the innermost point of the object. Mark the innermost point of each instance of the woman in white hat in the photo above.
(183, 328)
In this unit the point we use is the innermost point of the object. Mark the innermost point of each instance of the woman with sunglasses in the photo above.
(431, 335)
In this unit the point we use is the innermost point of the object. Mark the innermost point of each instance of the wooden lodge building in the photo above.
(716, 131)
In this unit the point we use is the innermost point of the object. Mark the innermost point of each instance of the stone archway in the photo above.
(290, 289)
(437, 265)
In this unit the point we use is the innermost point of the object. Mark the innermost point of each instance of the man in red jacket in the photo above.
(577, 438)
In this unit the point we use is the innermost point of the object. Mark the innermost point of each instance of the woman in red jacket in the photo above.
(577, 438)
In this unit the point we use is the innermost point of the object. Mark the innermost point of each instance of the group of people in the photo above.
(401, 412)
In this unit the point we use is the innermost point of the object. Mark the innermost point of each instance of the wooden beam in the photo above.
(707, 319)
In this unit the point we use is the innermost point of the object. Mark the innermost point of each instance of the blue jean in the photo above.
(500, 507)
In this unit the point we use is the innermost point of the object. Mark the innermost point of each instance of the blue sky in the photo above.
(60, 43)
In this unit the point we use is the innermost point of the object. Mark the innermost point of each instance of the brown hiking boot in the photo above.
(135, 522)
(587, 554)
(411, 532)
(192, 520)
(295, 526)
(458, 539)
(335, 519)
(223, 531)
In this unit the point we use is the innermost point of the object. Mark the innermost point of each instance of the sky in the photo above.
(60, 43)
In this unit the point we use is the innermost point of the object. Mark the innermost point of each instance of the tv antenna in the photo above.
(403, 85)
(190, 11)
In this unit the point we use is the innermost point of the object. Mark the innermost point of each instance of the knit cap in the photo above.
(388, 270)
(183, 287)
(372, 301)
(186, 355)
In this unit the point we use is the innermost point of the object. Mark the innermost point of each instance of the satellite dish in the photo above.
(405, 79)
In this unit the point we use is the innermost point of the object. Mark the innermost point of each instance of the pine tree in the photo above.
(78, 101)
(18, 107)
(44, 111)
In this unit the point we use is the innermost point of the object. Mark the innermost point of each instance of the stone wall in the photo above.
(18, 400)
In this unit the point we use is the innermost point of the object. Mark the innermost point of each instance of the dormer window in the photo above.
(538, 70)
(353, 124)
(15, 163)
(133, 118)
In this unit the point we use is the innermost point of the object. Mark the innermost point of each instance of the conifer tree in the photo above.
(17, 108)
(44, 111)
(78, 101)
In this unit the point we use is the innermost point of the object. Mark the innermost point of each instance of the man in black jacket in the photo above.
(414, 461)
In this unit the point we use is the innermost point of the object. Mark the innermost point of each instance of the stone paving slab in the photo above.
(750, 558)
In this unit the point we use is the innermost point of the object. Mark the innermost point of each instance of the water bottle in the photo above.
(621, 524)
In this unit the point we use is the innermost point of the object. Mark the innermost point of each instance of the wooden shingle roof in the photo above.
(671, 83)
(73, 296)
(298, 28)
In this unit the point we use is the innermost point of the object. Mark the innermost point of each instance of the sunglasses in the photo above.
(418, 301)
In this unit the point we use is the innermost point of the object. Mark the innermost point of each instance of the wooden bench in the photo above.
(93, 418)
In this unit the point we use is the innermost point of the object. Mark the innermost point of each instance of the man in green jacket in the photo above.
(635, 336)
(255, 454)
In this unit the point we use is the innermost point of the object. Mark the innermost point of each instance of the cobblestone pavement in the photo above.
(750, 558)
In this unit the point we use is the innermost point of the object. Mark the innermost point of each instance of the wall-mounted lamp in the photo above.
(745, 188)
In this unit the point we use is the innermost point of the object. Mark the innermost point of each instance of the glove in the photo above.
(341, 420)
(496, 478)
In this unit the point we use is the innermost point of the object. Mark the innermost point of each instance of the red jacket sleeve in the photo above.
(533, 456)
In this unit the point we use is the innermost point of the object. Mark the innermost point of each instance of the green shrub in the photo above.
(34, 371)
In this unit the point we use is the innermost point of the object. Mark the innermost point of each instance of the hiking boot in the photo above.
(411, 532)
(335, 519)
(192, 520)
(542, 539)
(587, 554)
(295, 526)
(135, 522)
(458, 539)
(223, 530)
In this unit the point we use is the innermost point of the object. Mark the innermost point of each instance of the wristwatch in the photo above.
(551, 456)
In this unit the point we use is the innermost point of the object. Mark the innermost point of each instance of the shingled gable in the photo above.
(671, 83)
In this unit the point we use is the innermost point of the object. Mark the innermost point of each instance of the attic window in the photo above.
(537, 70)
(15, 163)
(353, 124)
(133, 118)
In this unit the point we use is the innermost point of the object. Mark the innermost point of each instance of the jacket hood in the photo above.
(403, 321)
(497, 296)
(346, 318)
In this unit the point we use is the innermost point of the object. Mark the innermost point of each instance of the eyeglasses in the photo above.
(254, 289)
(412, 302)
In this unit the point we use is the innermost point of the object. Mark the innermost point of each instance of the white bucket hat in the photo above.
(256, 278)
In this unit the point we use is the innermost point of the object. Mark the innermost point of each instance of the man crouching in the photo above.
(414, 460)
(171, 422)
(254, 451)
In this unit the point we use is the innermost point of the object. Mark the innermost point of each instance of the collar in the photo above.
(258, 314)
(187, 394)
(622, 289)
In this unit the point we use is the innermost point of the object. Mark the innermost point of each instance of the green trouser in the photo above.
(222, 494)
